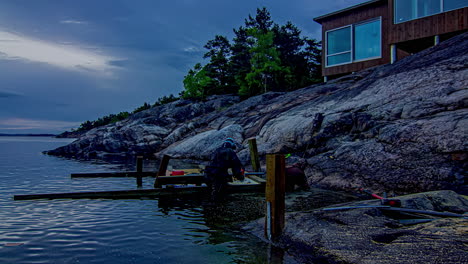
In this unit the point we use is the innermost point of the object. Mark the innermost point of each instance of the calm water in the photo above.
(112, 231)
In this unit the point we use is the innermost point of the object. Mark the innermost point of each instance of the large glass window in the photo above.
(353, 42)
(454, 4)
(339, 46)
(367, 40)
(406, 10)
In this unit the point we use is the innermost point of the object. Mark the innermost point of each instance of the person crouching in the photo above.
(216, 173)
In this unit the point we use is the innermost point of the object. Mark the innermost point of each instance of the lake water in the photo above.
(113, 231)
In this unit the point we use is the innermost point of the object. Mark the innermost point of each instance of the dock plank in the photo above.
(137, 194)
(114, 174)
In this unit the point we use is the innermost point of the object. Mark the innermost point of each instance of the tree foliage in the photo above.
(112, 118)
(263, 56)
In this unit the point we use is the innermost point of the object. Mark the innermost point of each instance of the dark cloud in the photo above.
(151, 46)
(6, 94)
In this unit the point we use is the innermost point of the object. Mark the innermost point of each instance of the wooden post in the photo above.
(275, 189)
(162, 169)
(139, 169)
(254, 154)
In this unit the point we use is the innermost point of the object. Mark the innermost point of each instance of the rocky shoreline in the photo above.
(370, 235)
(400, 128)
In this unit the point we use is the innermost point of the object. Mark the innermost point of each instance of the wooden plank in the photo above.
(254, 154)
(182, 179)
(113, 174)
(257, 179)
(114, 194)
(275, 194)
(426, 212)
(162, 170)
(188, 171)
(163, 165)
(137, 194)
(139, 170)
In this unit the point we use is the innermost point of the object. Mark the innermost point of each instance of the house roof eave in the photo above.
(320, 18)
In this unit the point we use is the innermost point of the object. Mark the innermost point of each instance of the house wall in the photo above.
(451, 21)
(354, 16)
(418, 29)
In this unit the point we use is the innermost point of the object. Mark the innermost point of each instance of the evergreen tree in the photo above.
(266, 70)
(263, 56)
(145, 106)
(196, 83)
(219, 67)
(313, 55)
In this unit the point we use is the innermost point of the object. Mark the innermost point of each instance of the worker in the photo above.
(217, 175)
(295, 176)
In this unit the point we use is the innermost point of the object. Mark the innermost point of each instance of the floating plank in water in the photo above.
(182, 179)
(126, 194)
(114, 174)
(236, 187)
(426, 212)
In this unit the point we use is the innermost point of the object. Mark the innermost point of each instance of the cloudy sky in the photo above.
(63, 62)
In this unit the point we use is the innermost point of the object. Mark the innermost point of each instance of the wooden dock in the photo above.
(193, 182)
(173, 186)
(114, 174)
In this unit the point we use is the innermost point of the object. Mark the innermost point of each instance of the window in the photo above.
(339, 46)
(454, 4)
(353, 43)
(367, 40)
(406, 10)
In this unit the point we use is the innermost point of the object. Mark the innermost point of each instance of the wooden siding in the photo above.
(447, 22)
(351, 17)
(418, 29)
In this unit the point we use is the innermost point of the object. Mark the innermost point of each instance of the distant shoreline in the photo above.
(27, 135)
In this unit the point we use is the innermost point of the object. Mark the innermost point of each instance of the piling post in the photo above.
(275, 194)
(162, 169)
(254, 154)
(139, 169)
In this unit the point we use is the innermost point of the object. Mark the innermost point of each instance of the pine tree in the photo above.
(266, 69)
(196, 83)
(219, 67)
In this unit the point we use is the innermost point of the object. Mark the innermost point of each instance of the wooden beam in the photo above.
(254, 154)
(182, 179)
(135, 194)
(162, 170)
(139, 170)
(114, 174)
(275, 193)
(163, 165)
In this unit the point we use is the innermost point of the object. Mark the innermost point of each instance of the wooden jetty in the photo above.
(251, 184)
(191, 182)
(114, 174)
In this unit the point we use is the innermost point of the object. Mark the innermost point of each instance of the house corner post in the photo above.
(393, 53)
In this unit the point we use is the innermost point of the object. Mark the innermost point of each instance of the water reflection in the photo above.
(223, 222)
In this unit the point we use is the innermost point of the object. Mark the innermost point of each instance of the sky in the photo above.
(63, 62)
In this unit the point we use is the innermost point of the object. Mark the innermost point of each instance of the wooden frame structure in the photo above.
(398, 39)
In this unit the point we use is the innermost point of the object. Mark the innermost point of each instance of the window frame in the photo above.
(352, 38)
(339, 53)
(441, 10)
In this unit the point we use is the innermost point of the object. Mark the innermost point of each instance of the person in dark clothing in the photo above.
(217, 175)
(295, 176)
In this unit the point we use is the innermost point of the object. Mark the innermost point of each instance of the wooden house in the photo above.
(382, 31)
